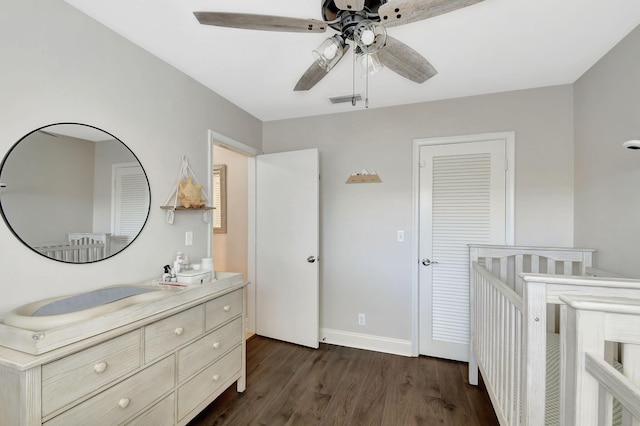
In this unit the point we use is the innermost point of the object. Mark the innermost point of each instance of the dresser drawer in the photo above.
(223, 309)
(166, 335)
(161, 414)
(76, 375)
(123, 400)
(208, 349)
(200, 388)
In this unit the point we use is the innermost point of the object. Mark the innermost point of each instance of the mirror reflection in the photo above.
(73, 193)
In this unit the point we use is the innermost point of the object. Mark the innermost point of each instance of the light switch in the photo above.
(400, 237)
(188, 238)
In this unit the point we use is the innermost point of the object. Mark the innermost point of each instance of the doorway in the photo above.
(233, 249)
(463, 189)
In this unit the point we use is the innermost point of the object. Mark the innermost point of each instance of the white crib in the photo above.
(81, 247)
(590, 385)
(513, 320)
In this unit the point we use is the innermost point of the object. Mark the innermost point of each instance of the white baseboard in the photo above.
(366, 341)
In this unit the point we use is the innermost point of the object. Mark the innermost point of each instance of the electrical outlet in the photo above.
(188, 238)
(400, 237)
(361, 319)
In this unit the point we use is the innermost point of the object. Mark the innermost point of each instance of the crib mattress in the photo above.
(552, 403)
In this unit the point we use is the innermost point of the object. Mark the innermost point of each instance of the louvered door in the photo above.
(130, 203)
(462, 201)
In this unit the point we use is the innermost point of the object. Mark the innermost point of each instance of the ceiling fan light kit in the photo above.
(362, 22)
(329, 52)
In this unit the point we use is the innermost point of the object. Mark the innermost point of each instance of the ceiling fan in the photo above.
(362, 21)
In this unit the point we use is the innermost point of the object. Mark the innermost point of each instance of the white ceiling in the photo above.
(492, 46)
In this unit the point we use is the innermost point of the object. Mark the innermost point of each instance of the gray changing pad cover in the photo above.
(89, 300)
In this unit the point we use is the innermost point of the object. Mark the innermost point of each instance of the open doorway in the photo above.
(232, 247)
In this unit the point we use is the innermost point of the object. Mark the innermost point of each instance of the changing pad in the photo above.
(89, 300)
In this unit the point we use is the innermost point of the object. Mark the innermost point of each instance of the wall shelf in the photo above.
(174, 208)
(366, 178)
(187, 196)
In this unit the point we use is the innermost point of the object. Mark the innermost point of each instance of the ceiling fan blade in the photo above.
(402, 59)
(250, 21)
(354, 5)
(399, 12)
(313, 75)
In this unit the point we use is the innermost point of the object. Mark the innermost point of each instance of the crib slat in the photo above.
(503, 270)
(519, 268)
(535, 263)
(551, 266)
(568, 268)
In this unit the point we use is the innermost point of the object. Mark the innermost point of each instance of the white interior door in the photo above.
(462, 200)
(130, 203)
(287, 246)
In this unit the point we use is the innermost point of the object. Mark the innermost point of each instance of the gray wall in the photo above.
(58, 65)
(363, 268)
(607, 176)
(51, 175)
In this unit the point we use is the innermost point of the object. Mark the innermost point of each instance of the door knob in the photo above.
(428, 262)
(311, 259)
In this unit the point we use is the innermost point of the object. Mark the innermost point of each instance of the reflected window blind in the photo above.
(131, 204)
(461, 215)
(217, 202)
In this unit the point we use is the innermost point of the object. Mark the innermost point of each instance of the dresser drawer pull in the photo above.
(100, 367)
(216, 345)
(216, 377)
(227, 308)
(179, 331)
(124, 402)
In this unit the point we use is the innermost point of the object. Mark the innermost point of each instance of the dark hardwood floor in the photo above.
(334, 385)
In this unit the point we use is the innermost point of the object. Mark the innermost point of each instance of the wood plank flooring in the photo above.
(334, 385)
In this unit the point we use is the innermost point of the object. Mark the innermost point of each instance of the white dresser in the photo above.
(162, 369)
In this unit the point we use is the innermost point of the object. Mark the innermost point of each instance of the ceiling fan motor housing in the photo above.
(345, 21)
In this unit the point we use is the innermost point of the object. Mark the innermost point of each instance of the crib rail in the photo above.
(75, 253)
(81, 247)
(508, 321)
(498, 343)
(508, 324)
(590, 384)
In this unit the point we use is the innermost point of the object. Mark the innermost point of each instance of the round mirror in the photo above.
(73, 193)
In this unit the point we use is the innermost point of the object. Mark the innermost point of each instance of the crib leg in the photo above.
(473, 369)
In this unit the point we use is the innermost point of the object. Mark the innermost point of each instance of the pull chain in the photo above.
(366, 94)
(353, 83)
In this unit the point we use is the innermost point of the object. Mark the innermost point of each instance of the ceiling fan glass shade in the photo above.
(369, 63)
(369, 36)
(329, 52)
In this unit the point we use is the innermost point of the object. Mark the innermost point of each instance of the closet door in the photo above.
(462, 202)
(130, 203)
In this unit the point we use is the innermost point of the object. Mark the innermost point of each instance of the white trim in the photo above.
(366, 341)
(232, 144)
(509, 138)
(218, 139)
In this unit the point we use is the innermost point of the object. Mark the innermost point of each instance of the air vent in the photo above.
(345, 98)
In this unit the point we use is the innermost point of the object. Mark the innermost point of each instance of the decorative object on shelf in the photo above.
(186, 195)
(220, 199)
(364, 176)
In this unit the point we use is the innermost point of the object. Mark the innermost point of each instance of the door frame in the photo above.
(509, 138)
(218, 139)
